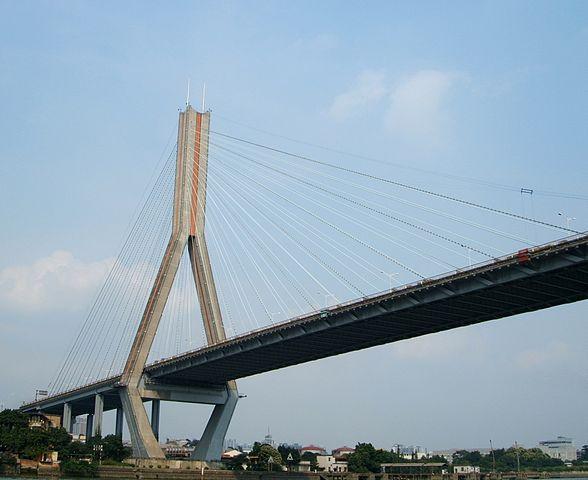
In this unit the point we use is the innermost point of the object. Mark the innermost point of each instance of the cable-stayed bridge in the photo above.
(240, 236)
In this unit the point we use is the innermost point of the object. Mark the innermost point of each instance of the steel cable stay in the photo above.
(147, 274)
(313, 255)
(340, 196)
(274, 293)
(353, 219)
(462, 178)
(280, 246)
(402, 185)
(120, 304)
(415, 205)
(268, 253)
(247, 254)
(122, 293)
(138, 269)
(324, 264)
(340, 248)
(66, 364)
(283, 212)
(113, 278)
(243, 269)
(336, 228)
(245, 303)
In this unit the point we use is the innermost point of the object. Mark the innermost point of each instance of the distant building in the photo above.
(343, 451)
(313, 449)
(231, 455)
(245, 448)
(561, 448)
(177, 448)
(330, 463)
(44, 421)
(465, 469)
(268, 439)
(230, 444)
(410, 452)
(78, 429)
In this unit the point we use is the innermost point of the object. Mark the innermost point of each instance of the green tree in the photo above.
(364, 459)
(113, 449)
(285, 451)
(265, 453)
(76, 450)
(16, 437)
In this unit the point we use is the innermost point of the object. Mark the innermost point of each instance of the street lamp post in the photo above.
(568, 219)
(390, 277)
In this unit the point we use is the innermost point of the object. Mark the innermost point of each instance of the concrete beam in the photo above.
(182, 393)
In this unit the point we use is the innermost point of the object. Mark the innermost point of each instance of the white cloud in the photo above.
(553, 353)
(416, 111)
(369, 87)
(57, 282)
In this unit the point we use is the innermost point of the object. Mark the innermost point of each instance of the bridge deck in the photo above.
(541, 277)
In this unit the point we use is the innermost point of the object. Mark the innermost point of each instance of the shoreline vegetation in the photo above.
(51, 451)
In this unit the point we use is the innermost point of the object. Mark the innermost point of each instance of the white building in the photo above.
(328, 463)
(561, 447)
(465, 469)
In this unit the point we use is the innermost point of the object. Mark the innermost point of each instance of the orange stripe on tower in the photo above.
(196, 169)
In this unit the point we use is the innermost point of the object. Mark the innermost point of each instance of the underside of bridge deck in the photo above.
(504, 290)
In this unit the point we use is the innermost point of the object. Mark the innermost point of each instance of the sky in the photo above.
(493, 91)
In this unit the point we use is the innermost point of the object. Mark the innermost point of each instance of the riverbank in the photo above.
(146, 473)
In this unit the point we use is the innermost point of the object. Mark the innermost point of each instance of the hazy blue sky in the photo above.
(89, 93)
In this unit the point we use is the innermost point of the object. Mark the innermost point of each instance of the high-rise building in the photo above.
(562, 448)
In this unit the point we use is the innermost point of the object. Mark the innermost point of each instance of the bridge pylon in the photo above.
(189, 213)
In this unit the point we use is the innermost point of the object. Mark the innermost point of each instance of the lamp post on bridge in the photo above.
(327, 295)
(390, 277)
(568, 219)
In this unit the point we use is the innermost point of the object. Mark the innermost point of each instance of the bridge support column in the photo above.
(210, 446)
(98, 411)
(89, 426)
(66, 419)
(145, 445)
(155, 408)
(118, 427)
(188, 229)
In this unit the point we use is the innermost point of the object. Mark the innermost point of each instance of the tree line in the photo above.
(17, 440)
